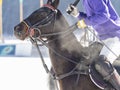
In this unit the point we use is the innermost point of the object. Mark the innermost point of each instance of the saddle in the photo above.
(95, 77)
(98, 80)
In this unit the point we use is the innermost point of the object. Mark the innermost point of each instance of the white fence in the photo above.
(15, 48)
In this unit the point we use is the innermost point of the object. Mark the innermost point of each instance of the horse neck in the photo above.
(66, 41)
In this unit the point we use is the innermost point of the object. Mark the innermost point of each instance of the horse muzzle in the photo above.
(20, 32)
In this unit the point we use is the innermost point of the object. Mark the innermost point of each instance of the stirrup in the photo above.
(98, 80)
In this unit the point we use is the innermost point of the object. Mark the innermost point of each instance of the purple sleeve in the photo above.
(100, 12)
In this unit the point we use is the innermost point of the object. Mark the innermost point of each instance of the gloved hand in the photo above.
(81, 24)
(72, 10)
(82, 15)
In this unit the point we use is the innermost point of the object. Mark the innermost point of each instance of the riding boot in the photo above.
(114, 79)
(108, 72)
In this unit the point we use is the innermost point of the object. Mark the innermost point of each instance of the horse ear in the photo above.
(54, 3)
(49, 2)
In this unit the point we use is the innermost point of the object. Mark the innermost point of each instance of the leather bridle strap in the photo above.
(49, 6)
(48, 19)
(53, 75)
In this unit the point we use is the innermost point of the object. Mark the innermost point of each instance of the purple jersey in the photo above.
(103, 17)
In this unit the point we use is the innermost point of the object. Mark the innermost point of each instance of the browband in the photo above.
(49, 6)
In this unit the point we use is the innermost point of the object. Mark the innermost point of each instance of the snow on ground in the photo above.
(23, 73)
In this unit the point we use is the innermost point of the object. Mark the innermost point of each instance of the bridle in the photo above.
(49, 19)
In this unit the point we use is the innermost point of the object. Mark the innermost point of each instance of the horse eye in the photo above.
(44, 14)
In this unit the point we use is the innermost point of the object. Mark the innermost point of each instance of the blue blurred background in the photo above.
(11, 17)
(11, 12)
(26, 73)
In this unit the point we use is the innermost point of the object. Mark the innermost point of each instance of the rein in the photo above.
(63, 33)
(55, 76)
(79, 65)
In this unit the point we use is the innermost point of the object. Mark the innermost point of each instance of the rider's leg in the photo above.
(108, 72)
(107, 57)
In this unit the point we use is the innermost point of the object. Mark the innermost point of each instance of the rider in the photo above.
(101, 15)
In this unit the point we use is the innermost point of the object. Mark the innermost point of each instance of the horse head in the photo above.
(65, 52)
(39, 20)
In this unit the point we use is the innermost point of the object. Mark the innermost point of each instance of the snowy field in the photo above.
(23, 73)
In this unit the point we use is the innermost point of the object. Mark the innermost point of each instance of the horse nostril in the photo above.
(16, 28)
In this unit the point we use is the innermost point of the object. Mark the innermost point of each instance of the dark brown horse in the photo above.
(64, 49)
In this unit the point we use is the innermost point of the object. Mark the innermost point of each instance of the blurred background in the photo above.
(14, 11)
(20, 65)
(11, 12)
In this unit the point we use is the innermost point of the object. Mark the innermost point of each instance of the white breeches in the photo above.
(111, 48)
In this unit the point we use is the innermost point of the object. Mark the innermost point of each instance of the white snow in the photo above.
(23, 73)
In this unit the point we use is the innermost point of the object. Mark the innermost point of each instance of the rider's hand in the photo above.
(81, 24)
(82, 15)
(72, 10)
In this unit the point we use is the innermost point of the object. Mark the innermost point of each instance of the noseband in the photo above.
(46, 21)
